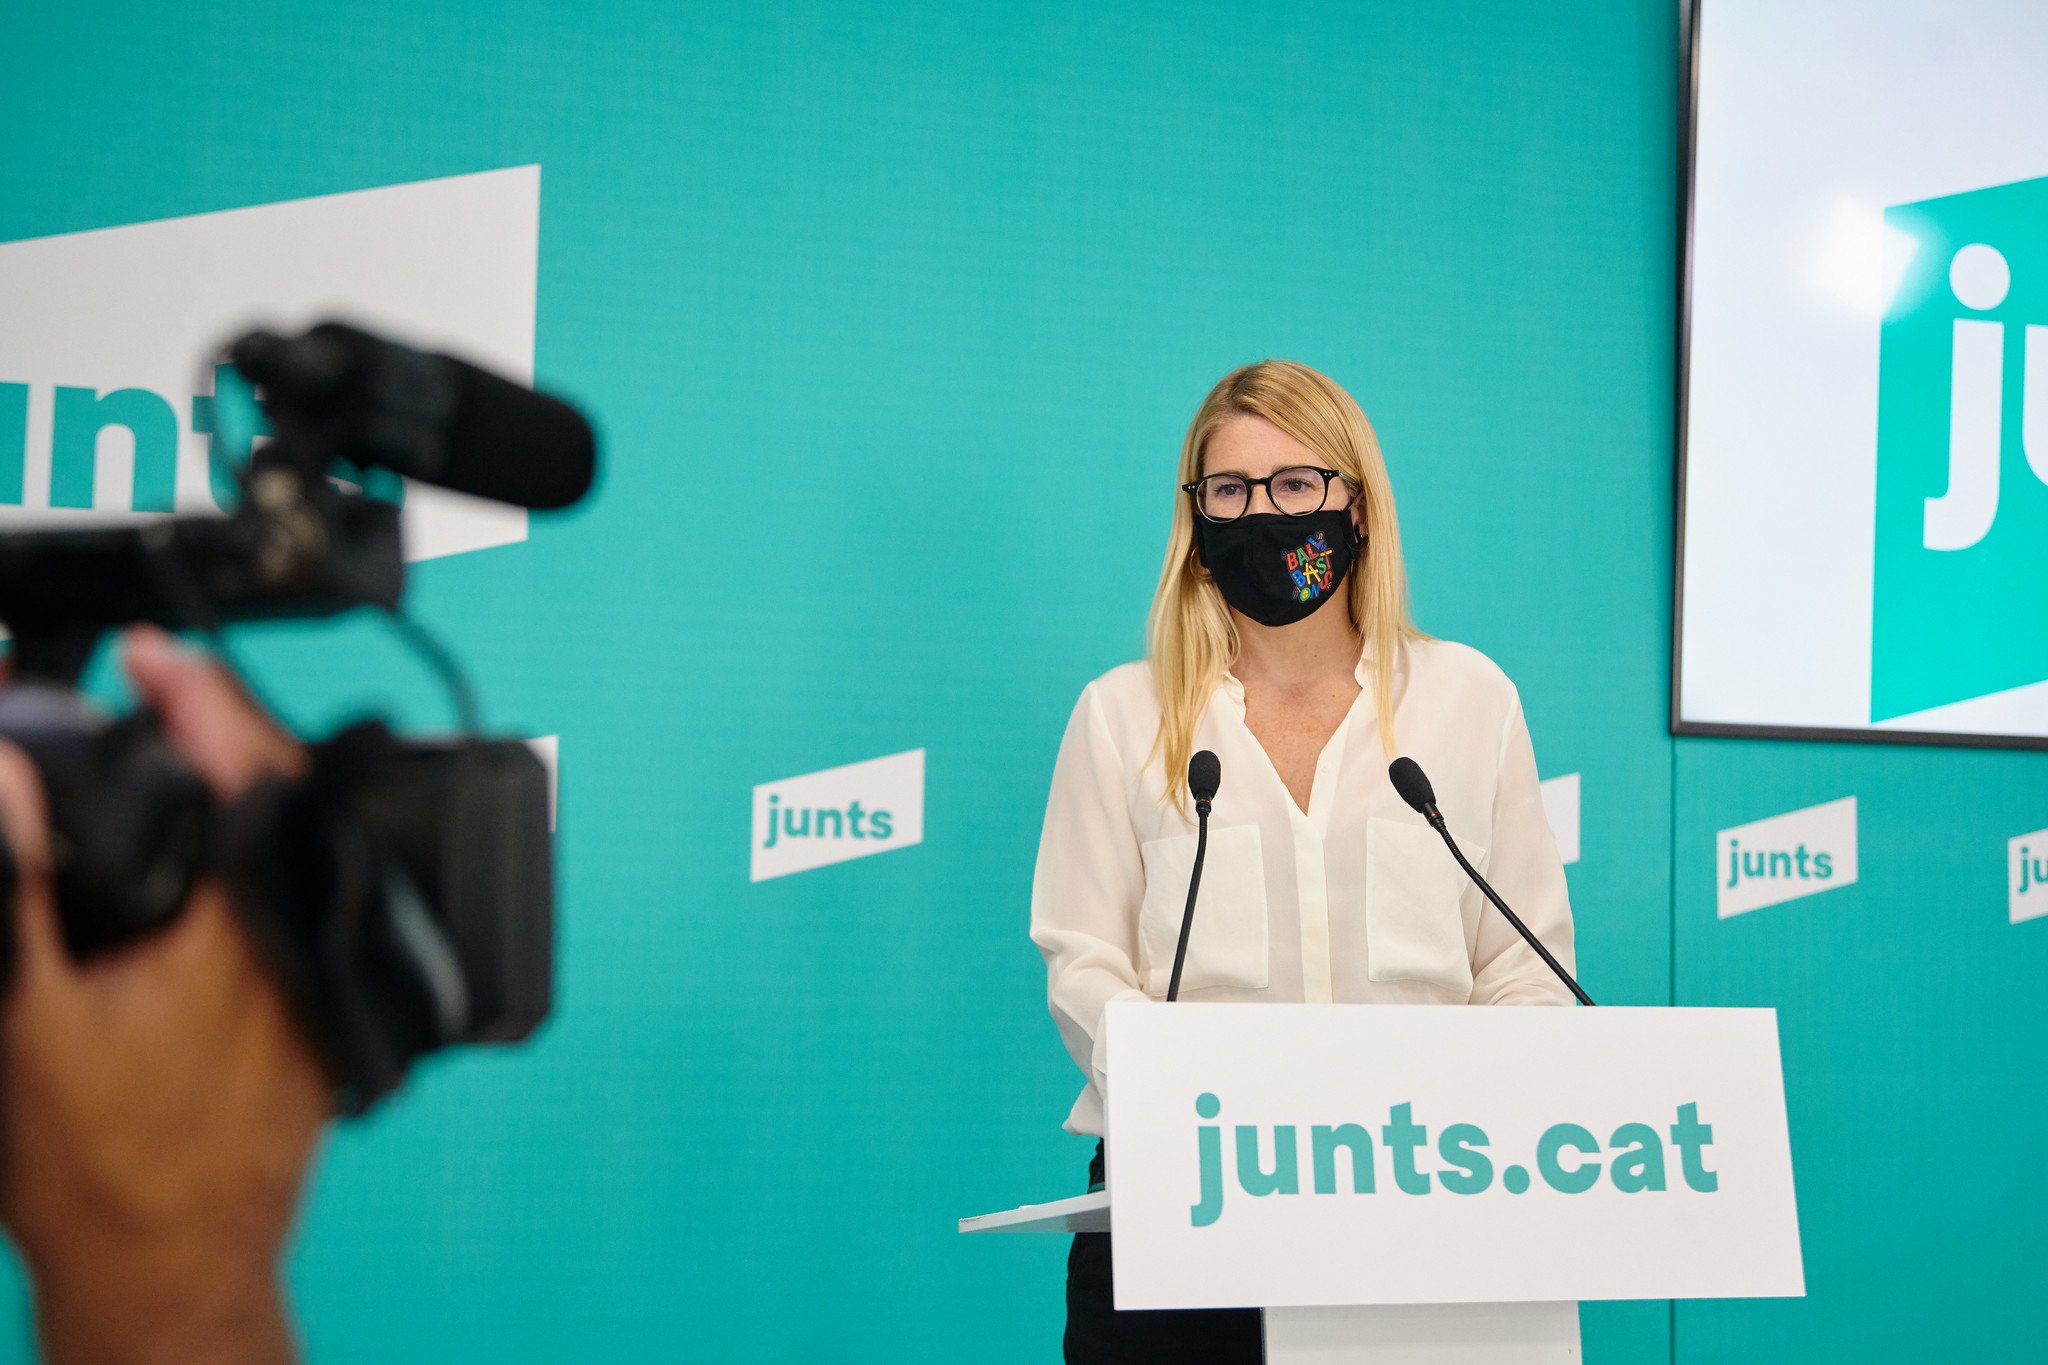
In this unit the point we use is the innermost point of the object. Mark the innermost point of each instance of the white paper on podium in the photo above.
(1277, 1072)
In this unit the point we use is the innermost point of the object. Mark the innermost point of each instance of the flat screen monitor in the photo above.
(1863, 491)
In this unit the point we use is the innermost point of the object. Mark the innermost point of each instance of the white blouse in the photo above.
(1355, 900)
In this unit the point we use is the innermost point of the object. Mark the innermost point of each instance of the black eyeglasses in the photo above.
(1294, 492)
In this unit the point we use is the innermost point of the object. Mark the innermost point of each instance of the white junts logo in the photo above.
(820, 818)
(105, 398)
(1960, 517)
(2026, 857)
(1782, 858)
(1561, 809)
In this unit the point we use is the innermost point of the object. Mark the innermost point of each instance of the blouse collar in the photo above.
(1234, 688)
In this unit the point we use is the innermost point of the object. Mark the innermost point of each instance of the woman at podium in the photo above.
(1279, 640)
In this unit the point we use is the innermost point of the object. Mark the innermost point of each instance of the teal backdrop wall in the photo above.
(893, 316)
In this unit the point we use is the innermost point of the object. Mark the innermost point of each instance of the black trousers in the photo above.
(1097, 1334)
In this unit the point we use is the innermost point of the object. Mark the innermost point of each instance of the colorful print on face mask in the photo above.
(1310, 567)
(1278, 569)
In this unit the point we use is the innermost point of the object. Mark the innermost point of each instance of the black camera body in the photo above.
(401, 891)
(131, 824)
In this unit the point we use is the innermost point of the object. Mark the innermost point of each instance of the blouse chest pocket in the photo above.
(1414, 926)
(1227, 943)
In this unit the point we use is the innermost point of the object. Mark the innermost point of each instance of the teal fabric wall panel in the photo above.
(893, 317)
(1909, 1012)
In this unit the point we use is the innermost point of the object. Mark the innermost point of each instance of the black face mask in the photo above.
(1278, 569)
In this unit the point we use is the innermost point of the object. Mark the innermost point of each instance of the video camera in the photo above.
(401, 890)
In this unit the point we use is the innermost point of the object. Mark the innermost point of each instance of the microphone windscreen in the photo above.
(430, 417)
(1408, 779)
(508, 443)
(1205, 775)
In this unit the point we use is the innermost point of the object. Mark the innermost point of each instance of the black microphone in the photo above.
(1408, 779)
(1205, 774)
(428, 417)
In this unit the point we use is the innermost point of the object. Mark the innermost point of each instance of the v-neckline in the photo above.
(1332, 748)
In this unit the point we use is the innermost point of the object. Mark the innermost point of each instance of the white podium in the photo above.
(1409, 1183)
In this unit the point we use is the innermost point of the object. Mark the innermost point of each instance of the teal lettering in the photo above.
(838, 823)
(82, 415)
(227, 450)
(1253, 1178)
(771, 821)
(1640, 1165)
(1569, 1158)
(1209, 1157)
(1324, 1141)
(1459, 1144)
(1577, 1179)
(879, 824)
(1734, 861)
(1402, 1136)
(1823, 866)
(1781, 861)
(853, 815)
(13, 442)
(1690, 1137)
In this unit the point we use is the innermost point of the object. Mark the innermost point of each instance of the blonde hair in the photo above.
(1190, 637)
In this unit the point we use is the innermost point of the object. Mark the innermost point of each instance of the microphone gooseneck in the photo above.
(1205, 775)
(1413, 787)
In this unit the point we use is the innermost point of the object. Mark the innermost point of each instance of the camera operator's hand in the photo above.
(158, 1107)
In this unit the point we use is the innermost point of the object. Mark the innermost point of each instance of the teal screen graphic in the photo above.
(1962, 454)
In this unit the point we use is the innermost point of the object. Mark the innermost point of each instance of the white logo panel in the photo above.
(1800, 853)
(448, 264)
(2026, 865)
(548, 749)
(855, 811)
(1297, 1155)
(1561, 808)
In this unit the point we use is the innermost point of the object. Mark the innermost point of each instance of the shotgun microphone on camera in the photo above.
(429, 417)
